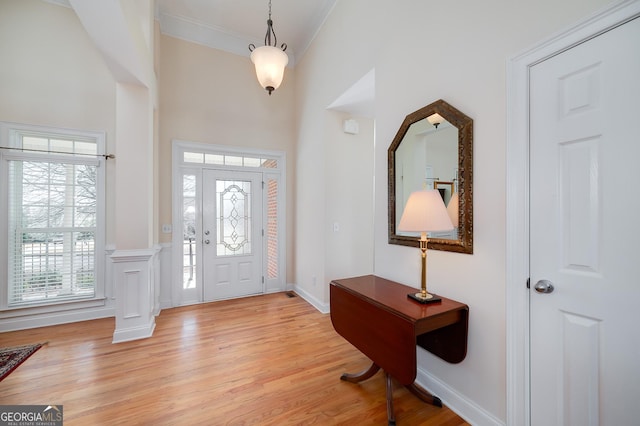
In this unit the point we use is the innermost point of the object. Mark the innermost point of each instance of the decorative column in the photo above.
(123, 32)
(136, 283)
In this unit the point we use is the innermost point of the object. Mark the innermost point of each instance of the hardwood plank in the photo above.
(261, 360)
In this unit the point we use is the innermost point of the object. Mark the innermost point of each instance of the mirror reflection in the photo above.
(433, 149)
(427, 158)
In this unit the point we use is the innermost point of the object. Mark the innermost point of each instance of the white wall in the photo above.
(423, 51)
(51, 74)
(210, 96)
(318, 85)
(349, 186)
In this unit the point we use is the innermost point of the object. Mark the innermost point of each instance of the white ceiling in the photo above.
(231, 25)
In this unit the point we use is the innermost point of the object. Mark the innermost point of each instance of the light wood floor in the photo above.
(262, 360)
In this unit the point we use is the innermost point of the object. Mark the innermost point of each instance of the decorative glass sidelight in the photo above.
(233, 210)
(189, 245)
(272, 229)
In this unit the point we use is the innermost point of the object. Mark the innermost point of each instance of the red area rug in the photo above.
(11, 358)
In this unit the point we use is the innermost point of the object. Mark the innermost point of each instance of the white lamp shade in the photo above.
(270, 62)
(425, 212)
(452, 209)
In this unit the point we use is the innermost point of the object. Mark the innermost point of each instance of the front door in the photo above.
(584, 233)
(232, 234)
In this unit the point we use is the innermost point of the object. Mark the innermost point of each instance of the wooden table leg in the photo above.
(363, 375)
(413, 388)
(369, 372)
(391, 417)
(424, 395)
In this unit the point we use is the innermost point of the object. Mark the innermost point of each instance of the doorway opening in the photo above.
(228, 222)
(518, 197)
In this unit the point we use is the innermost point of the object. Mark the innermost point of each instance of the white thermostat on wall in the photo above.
(350, 126)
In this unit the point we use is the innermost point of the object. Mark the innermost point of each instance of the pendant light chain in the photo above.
(267, 38)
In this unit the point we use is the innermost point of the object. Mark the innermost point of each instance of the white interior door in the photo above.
(232, 234)
(584, 204)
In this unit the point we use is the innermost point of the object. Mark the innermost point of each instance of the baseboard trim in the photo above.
(458, 403)
(313, 301)
(134, 333)
(55, 318)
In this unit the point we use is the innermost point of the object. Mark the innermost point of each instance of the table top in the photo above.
(376, 316)
(392, 295)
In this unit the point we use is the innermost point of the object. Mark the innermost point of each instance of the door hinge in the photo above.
(263, 279)
(263, 232)
(262, 184)
(529, 282)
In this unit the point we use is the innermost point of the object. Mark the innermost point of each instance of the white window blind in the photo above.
(52, 219)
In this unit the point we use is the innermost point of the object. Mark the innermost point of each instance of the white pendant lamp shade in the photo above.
(270, 62)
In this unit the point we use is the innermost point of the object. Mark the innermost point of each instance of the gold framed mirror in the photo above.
(433, 149)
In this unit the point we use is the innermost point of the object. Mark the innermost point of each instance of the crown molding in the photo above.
(318, 22)
(210, 36)
(64, 3)
(193, 31)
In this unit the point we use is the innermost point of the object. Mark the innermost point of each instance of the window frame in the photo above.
(10, 136)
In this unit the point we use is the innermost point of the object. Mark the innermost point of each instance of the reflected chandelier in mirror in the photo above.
(433, 149)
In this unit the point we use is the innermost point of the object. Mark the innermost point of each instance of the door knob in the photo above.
(544, 286)
(206, 232)
(206, 241)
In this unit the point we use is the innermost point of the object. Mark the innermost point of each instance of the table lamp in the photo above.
(424, 212)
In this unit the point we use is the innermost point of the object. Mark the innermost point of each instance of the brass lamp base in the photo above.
(430, 298)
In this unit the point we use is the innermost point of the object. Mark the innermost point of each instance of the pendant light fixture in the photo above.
(269, 59)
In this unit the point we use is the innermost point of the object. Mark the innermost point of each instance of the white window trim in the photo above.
(179, 168)
(8, 131)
